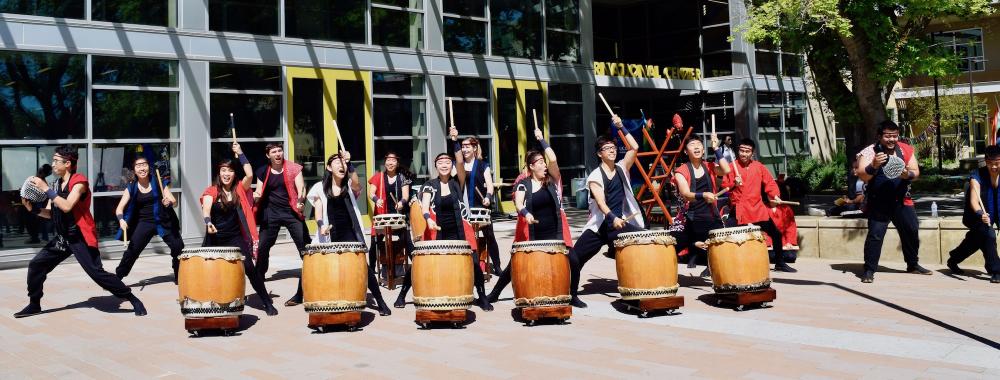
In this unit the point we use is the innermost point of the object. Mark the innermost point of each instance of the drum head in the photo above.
(894, 166)
(442, 247)
(213, 253)
(31, 193)
(339, 247)
(659, 237)
(555, 246)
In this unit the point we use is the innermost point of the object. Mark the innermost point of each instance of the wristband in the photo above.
(870, 170)
(910, 174)
(350, 167)
(319, 223)
(699, 196)
(610, 216)
(375, 198)
(427, 215)
(719, 153)
(208, 220)
(980, 212)
(524, 212)
(51, 193)
(544, 144)
(120, 217)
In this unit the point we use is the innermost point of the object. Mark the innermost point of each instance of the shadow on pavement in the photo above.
(955, 329)
(107, 304)
(858, 269)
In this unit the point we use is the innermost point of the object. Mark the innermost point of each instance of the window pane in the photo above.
(412, 155)
(415, 4)
(146, 12)
(767, 97)
(722, 99)
(795, 118)
(19, 228)
(718, 65)
(563, 47)
(570, 151)
(397, 28)
(715, 39)
(791, 65)
(333, 20)
(565, 119)
(725, 123)
(767, 63)
(714, 12)
(42, 96)
(135, 114)
(254, 17)
(565, 92)
(399, 117)
(770, 144)
(474, 8)
(398, 84)
(471, 117)
(517, 28)
(134, 72)
(562, 14)
(113, 164)
(457, 87)
(61, 8)
(795, 143)
(464, 36)
(244, 77)
(769, 118)
(255, 116)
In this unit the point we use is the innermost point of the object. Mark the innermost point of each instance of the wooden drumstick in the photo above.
(534, 117)
(340, 141)
(713, 124)
(451, 112)
(605, 103)
(719, 194)
(628, 218)
(232, 127)
(394, 201)
(481, 197)
(790, 203)
(125, 236)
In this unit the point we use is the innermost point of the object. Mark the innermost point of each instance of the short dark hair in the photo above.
(139, 157)
(992, 152)
(601, 142)
(44, 171)
(68, 153)
(269, 146)
(750, 143)
(887, 125)
(438, 157)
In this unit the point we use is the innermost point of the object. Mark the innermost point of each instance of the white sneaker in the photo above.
(816, 212)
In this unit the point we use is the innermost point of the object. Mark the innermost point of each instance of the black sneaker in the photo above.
(484, 304)
(137, 307)
(577, 303)
(31, 309)
(293, 302)
(995, 279)
(868, 277)
(917, 269)
(784, 268)
(494, 296)
(953, 266)
(706, 273)
(270, 310)
(384, 310)
(400, 302)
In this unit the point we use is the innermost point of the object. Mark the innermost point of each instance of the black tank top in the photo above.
(144, 206)
(226, 221)
(544, 211)
(614, 193)
(338, 214)
(700, 210)
(446, 217)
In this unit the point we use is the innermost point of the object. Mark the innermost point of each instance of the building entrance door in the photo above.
(513, 102)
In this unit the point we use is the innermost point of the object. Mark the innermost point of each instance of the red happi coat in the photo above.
(289, 170)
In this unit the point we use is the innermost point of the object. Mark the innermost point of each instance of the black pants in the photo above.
(771, 230)
(695, 231)
(269, 234)
(981, 237)
(89, 258)
(588, 245)
(491, 246)
(256, 280)
(141, 236)
(905, 220)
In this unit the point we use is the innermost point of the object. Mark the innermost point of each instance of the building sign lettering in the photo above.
(635, 70)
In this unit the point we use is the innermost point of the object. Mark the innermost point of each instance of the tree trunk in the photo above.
(865, 88)
(837, 94)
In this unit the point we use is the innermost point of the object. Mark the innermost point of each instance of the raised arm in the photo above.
(550, 156)
(630, 144)
(247, 169)
(722, 167)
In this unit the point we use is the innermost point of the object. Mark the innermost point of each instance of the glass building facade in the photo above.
(160, 78)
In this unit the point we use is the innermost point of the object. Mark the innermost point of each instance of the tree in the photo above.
(858, 49)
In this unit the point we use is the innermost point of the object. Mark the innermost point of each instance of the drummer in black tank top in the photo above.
(537, 200)
(696, 184)
(339, 222)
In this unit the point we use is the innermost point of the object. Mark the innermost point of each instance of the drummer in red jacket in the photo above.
(746, 181)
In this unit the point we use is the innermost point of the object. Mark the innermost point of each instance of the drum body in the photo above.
(334, 277)
(392, 221)
(646, 262)
(738, 260)
(540, 273)
(210, 282)
(442, 275)
(479, 216)
(417, 222)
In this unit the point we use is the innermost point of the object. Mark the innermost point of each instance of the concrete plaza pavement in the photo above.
(824, 324)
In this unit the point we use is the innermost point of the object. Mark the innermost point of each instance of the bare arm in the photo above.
(488, 177)
(912, 168)
(630, 144)
(598, 193)
(67, 204)
(122, 203)
(355, 183)
(206, 211)
(974, 196)
(722, 168)
(248, 178)
(300, 186)
(460, 168)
